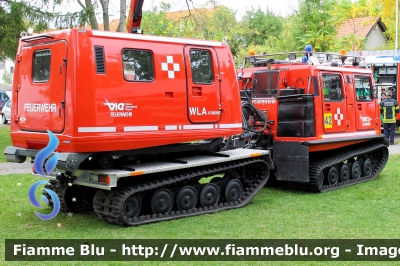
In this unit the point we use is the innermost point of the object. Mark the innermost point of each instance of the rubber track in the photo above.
(380, 157)
(108, 204)
(60, 191)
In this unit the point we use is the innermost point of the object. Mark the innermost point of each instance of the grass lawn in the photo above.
(366, 211)
(4, 141)
(369, 210)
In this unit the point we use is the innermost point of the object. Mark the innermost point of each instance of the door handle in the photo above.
(328, 107)
(61, 107)
(63, 64)
(197, 91)
(359, 106)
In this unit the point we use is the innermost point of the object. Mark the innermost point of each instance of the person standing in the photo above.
(389, 109)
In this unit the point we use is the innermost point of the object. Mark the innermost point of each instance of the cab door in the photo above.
(365, 106)
(334, 103)
(203, 88)
(41, 96)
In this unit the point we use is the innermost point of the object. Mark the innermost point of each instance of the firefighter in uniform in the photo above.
(389, 109)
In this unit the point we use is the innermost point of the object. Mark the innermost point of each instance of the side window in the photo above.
(41, 65)
(137, 65)
(363, 88)
(201, 64)
(332, 85)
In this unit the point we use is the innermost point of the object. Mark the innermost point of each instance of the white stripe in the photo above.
(230, 125)
(97, 129)
(154, 38)
(198, 126)
(365, 133)
(343, 69)
(144, 128)
(171, 127)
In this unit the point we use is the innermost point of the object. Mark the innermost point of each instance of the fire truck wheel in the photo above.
(186, 199)
(209, 195)
(344, 173)
(333, 176)
(162, 201)
(367, 167)
(131, 207)
(233, 190)
(355, 170)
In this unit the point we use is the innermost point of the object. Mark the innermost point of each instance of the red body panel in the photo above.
(92, 111)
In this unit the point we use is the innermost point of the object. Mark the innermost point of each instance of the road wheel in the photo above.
(344, 173)
(209, 195)
(162, 201)
(333, 176)
(233, 190)
(131, 207)
(367, 167)
(355, 170)
(186, 199)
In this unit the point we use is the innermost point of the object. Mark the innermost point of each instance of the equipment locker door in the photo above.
(41, 96)
(365, 106)
(203, 88)
(334, 103)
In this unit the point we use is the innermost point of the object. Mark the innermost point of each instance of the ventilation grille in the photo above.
(100, 64)
(266, 82)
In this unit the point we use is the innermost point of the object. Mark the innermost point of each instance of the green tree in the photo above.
(156, 22)
(313, 25)
(387, 11)
(18, 16)
(11, 25)
(261, 25)
(7, 78)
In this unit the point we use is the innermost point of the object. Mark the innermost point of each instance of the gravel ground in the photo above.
(23, 168)
(15, 168)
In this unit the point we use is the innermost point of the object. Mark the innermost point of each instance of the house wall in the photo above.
(8, 66)
(375, 39)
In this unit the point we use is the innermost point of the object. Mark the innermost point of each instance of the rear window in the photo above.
(41, 65)
(201, 64)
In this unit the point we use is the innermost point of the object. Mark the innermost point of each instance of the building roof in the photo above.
(360, 27)
(185, 13)
(171, 15)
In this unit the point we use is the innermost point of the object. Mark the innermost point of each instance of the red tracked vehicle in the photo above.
(140, 121)
(143, 120)
(323, 119)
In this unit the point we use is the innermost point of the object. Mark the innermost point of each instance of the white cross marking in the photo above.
(338, 117)
(175, 67)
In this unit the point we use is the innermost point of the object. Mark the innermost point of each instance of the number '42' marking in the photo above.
(328, 120)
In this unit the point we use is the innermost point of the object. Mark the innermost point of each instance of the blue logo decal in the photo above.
(44, 153)
(49, 166)
(35, 202)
